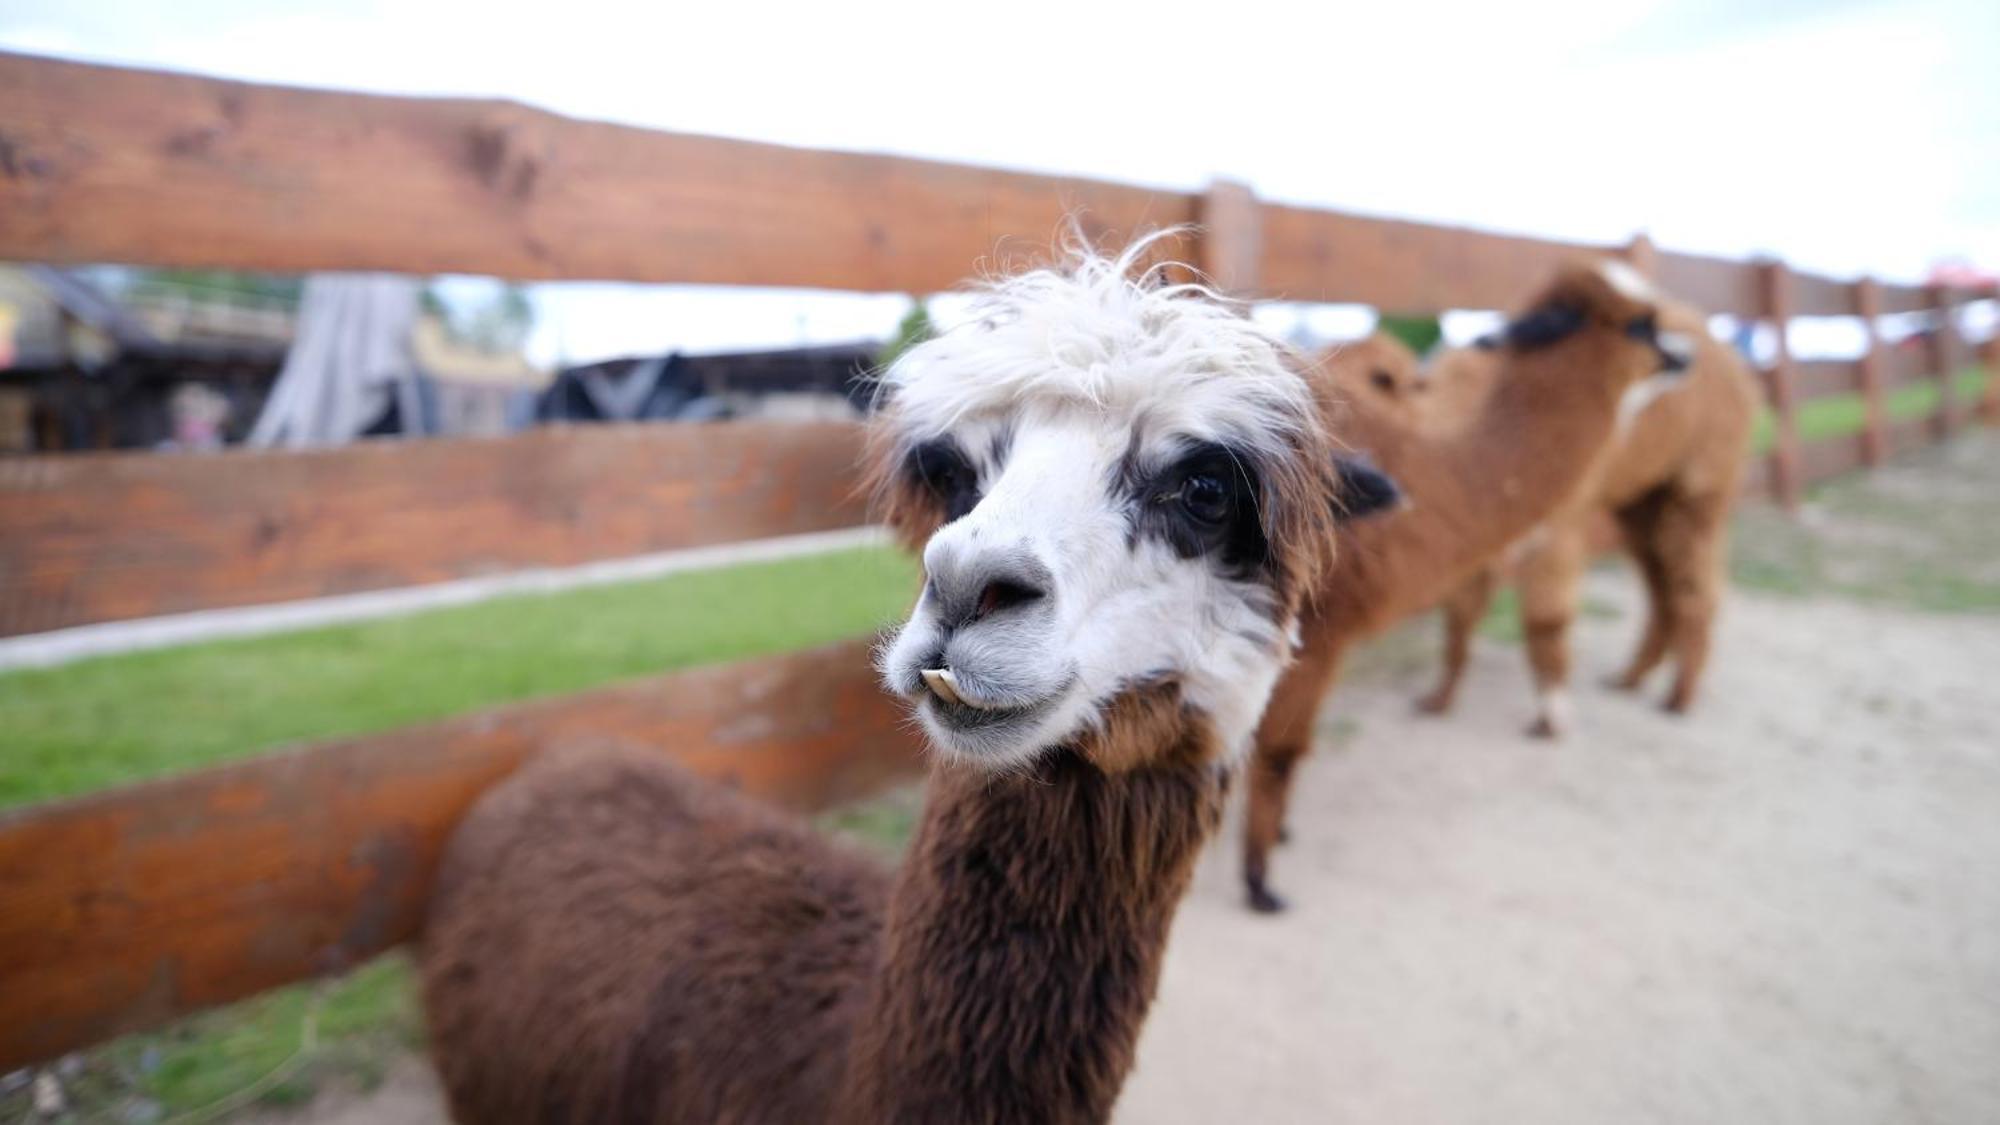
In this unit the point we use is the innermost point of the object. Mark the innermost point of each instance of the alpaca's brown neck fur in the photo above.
(1472, 490)
(1026, 932)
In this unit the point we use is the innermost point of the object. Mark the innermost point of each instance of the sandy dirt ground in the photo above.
(1784, 909)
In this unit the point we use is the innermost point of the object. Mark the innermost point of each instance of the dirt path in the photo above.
(1784, 909)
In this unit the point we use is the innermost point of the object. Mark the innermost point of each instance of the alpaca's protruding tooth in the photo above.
(941, 685)
(951, 678)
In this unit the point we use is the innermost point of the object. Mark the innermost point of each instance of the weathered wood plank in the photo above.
(1906, 363)
(124, 909)
(1813, 295)
(102, 537)
(1714, 285)
(1905, 298)
(122, 165)
(1874, 390)
(1399, 266)
(1819, 378)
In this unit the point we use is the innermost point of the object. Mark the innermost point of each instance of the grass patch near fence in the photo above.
(114, 719)
(1834, 416)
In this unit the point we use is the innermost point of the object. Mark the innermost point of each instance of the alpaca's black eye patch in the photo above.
(940, 468)
(1201, 502)
(1545, 325)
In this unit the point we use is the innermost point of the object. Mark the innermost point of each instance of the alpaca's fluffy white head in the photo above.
(1116, 483)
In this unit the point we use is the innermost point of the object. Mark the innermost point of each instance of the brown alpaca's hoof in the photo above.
(1284, 833)
(1263, 901)
(1626, 682)
(1676, 706)
(1436, 703)
(1543, 728)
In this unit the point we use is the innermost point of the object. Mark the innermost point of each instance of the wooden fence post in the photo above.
(1989, 361)
(1874, 395)
(1774, 280)
(1945, 354)
(1231, 246)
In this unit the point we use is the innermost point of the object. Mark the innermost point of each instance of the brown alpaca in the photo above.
(1669, 481)
(1562, 371)
(1432, 397)
(613, 940)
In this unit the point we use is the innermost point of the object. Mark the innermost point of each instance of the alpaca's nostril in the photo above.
(1002, 594)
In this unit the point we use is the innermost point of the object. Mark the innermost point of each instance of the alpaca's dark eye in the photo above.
(1383, 380)
(1205, 497)
(943, 470)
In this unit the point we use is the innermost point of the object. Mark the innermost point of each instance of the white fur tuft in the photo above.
(1627, 280)
(1090, 336)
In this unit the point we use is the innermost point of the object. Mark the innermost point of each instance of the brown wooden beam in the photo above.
(103, 537)
(1874, 374)
(1787, 483)
(1946, 357)
(1399, 266)
(119, 165)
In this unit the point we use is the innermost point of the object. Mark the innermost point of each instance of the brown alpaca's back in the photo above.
(598, 918)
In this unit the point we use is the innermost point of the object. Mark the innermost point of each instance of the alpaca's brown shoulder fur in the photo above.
(599, 917)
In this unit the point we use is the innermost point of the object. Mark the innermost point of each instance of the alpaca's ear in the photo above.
(1544, 325)
(1364, 489)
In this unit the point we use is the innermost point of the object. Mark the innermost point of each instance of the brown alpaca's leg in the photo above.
(1693, 537)
(1463, 611)
(1639, 525)
(1548, 584)
(1283, 739)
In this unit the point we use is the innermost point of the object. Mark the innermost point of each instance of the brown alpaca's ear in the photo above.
(1364, 489)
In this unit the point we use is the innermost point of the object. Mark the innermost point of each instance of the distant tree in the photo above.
(500, 322)
(1419, 333)
(915, 329)
(218, 285)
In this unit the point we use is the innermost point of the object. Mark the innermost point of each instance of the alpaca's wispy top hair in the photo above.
(1099, 334)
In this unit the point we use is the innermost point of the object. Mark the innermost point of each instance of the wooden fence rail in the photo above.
(103, 537)
(121, 910)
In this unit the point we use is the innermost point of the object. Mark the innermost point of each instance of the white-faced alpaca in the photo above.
(1121, 491)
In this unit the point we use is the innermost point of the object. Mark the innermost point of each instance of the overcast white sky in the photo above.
(1845, 135)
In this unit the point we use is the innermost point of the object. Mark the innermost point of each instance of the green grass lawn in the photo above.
(84, 726)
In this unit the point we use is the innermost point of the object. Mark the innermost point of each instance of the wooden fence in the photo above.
(127, 908)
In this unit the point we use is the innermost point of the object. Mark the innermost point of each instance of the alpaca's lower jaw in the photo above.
(990, 735)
